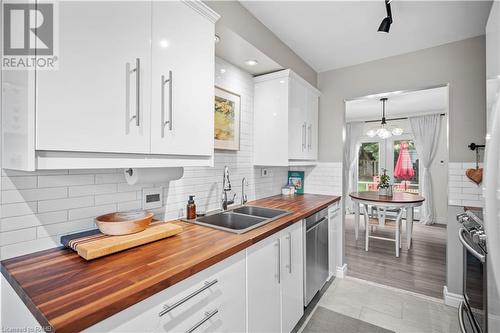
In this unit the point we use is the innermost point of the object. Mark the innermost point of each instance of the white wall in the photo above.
(37, 208)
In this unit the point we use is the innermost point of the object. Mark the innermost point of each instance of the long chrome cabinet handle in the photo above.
(278, 261)
(208, 315)
(163, 121)
(137, 71)
(289, 237)
(476, 254)
(309, 130)
(168, 308)
(304, 134)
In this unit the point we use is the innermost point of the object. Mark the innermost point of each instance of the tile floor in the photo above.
(393, 309)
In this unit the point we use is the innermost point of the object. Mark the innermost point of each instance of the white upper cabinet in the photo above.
(183, 58)
(134, 88)
(493, 42)
(97, 101)
(286, 119)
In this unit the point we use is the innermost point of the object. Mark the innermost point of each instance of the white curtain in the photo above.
(353, 133)
(426, 134)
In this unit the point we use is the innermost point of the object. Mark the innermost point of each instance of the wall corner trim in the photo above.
(451, 299)
(341, 271)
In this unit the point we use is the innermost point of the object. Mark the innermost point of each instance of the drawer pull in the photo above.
(208, 315)
(168, 308)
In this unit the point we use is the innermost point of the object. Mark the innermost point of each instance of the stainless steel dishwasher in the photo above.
(316, 254)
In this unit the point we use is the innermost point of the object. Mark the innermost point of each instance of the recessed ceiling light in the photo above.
(163, 43)
(216, 39)
(222, 70)
(251, 62)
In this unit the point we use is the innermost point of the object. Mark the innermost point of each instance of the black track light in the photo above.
(385, 25)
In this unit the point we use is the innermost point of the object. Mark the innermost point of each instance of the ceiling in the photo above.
(233, 48)
(335, 34)
(399, 104)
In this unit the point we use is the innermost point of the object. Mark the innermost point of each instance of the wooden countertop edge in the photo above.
(39, 316)
(121, 304)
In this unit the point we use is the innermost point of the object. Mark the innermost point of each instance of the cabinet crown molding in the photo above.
(286, 73)
(203, 9)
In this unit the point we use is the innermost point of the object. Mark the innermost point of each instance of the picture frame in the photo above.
(227, 113)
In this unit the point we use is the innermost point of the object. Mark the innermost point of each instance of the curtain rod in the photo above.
(392, 119)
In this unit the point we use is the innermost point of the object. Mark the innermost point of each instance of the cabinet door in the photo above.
(182, 114)
(298, 121)
(312, 125)
(292, 272)
(94, 101)
(263, 285)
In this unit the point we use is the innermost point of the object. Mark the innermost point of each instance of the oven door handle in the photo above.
(469, 248)
(461, 316)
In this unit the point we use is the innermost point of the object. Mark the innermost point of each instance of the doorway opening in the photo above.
(385, 142)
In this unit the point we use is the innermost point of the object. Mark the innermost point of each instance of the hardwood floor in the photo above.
(421, 269)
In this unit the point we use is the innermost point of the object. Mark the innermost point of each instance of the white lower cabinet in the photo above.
(275, 281)
(259, 289)
(211, 301)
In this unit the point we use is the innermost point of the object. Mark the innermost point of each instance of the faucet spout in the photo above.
(226, 187)
(244, 198)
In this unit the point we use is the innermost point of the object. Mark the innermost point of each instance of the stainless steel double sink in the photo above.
(241, 219)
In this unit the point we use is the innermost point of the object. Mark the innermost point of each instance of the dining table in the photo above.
(398, 200)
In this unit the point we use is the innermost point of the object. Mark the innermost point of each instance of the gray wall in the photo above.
(461, 64)
(241, 21)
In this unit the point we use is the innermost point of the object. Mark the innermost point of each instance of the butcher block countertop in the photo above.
(67, 293)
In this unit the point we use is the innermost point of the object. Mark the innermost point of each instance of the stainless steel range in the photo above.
(474, 308)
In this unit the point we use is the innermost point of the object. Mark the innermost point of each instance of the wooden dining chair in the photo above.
(397, 234)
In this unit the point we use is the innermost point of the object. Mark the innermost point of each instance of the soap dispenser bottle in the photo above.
(191, 208)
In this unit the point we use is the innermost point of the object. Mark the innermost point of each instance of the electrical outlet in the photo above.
(152, 198)
(265, 172)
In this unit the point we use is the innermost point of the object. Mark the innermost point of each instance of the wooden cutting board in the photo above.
(93, 244)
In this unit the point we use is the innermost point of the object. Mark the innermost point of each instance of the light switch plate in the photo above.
(265, 172)
(152, 198)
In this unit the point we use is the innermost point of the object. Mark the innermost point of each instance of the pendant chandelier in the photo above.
(384, 131)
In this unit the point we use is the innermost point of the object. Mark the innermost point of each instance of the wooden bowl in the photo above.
(115, 224)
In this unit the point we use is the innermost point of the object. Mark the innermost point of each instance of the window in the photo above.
(368, 166)
(406, 183)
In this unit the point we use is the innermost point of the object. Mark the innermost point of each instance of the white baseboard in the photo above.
(451, 299)
(341, 271)
(441, 220)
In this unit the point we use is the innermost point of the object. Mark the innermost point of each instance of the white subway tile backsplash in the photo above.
(115, 197)
(81, 213)
(67, 180)
(16, 209)
(18, 183)
(65, 228)
(33, 220)
(12, 196)
(78, 191)
(17, 236)
(68, 203)
(461, 190)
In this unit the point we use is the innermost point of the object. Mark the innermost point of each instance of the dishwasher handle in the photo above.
(316, 224)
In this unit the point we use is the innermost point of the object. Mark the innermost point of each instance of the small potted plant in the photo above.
(384, 188)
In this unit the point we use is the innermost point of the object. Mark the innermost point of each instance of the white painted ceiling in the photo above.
(399, 104)
(233, 48)
(334, 34)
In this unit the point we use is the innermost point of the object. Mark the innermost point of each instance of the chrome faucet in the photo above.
(226, 187)
(244, 198)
